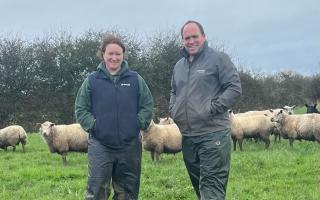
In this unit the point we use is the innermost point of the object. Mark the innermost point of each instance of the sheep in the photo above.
(312, 108)
(262, 112)
(12, 136)
(254, 112)
(252, 126)
(305, 126)
(276, 130)
(288, 109)
(166, 120)
(64, 138)
(160, 139)
(270, 112)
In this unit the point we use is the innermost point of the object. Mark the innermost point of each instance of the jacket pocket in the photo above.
(205, 110)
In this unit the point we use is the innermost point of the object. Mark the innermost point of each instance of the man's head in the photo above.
(193, 36)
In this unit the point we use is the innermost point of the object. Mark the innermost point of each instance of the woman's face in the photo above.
(113, 57)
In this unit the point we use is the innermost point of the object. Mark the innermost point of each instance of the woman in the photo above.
(112, 105)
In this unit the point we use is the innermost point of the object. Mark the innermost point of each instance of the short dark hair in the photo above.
(109, 39)
(190, 22)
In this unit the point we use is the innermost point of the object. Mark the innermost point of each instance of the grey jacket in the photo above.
(202, 91)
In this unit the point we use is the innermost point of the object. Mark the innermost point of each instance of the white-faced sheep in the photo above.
(288, 109)
(160, 139)
(254, 112)
(64, 138)
(276, 130)
(165, 121)
(270, 112)
(252, 126)
(12, 136)
(305, 126)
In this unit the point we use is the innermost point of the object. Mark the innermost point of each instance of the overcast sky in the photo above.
(264, 35)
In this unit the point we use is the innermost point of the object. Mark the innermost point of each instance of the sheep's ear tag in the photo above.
(218, 142)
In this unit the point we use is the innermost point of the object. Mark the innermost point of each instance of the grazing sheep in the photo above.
(160, 139)
(305, 126)
(276, 130)
(254, 112)
(312, 108)
(165, 121)
(12, 136)
(64, 138)
(288, 109)
(270, 112)
(252, 126)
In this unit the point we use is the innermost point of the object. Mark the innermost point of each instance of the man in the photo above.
(205, 84)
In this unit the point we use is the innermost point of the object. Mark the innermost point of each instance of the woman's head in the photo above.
(112, 52)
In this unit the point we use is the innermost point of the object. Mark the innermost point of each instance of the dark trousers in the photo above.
(123, 167)
(207, 159)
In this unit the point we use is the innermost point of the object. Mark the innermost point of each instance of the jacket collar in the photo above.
(105, 73)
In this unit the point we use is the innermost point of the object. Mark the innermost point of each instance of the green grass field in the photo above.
(280, 173)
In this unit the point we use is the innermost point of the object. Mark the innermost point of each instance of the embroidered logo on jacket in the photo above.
(125, 84)
(201, 71)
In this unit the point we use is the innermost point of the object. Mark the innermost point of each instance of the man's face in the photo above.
(192, 38)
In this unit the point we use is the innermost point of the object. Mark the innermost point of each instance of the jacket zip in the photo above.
(117, 110)
(187, 95)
